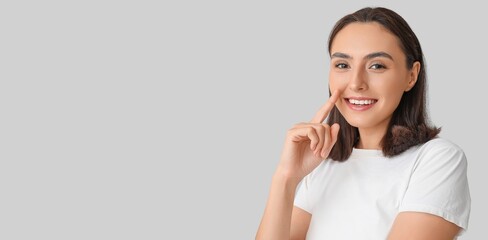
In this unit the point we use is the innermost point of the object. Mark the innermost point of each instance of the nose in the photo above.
(358, 80)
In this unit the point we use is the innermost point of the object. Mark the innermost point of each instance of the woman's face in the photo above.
(369, 67)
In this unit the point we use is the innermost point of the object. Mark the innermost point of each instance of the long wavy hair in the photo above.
(409, 124)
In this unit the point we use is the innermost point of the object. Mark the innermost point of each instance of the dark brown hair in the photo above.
(408, 126)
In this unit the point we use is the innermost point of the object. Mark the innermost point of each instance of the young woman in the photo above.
(387, 175)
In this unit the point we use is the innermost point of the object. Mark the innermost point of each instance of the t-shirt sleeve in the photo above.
(302, 198)
(439, 185)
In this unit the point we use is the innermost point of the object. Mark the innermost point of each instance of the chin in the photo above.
(359, 123)
(355, 121)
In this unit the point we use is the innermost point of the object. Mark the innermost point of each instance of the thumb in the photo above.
(334, 132)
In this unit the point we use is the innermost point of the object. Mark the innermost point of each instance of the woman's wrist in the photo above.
(286, 179)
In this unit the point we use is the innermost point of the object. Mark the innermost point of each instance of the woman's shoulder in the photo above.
(441, 150)
(440, 143)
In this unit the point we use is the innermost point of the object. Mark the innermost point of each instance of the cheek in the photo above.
(392, 97)
(393, 90)
(336, 83)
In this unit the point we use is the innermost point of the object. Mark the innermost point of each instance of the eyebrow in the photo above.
(369, 56)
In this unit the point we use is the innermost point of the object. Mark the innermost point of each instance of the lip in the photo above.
(358, 107)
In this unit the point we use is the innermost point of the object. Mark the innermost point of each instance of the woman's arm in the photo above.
(306, 146)
(422, 226)
(300, 221)
(281, 220)
(437, 202)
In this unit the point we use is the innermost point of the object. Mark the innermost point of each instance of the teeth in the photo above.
(361, 102)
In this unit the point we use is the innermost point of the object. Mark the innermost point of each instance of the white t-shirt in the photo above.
(360, 198)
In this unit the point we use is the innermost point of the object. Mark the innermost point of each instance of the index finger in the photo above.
(326, 108)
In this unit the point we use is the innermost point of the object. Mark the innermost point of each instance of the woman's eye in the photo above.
(377, 66)
(341, 65)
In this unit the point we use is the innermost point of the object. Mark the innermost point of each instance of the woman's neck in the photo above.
(370, 138)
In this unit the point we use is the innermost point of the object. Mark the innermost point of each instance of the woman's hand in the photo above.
(308, 144)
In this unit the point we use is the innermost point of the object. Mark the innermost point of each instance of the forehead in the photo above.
(364, 38)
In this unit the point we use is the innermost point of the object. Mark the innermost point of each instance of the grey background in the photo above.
(148, 119)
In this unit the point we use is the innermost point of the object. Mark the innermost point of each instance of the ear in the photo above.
(413, 75)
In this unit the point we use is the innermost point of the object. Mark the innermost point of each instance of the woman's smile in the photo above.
(360, 103)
